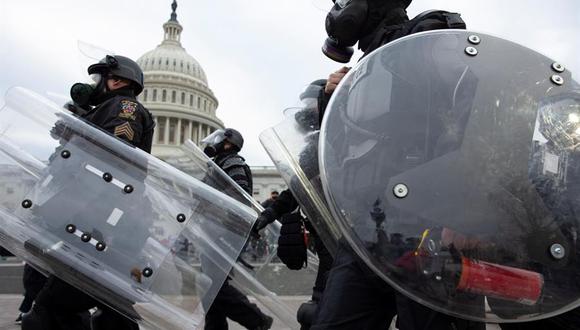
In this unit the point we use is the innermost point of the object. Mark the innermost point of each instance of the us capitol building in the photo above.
(183, 105)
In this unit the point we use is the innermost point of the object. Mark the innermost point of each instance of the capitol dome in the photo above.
(177, 93)
(172, 58)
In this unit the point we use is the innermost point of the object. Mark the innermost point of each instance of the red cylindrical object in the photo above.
(500, 282)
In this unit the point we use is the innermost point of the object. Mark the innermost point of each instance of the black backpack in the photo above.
(426, 21)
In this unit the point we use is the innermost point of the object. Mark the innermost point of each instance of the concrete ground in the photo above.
(11, 297)
(9, 305)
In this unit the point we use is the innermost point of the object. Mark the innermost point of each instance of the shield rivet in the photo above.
(65, 154)
(181, 217)
(557, 79)
(71, 228)
(128, 189)
(27, 203)
(473, 39)
(108, 177)
(85, 237)
(147, 272)
(100, 246)
(400, 190)
(557, 251)
(558, 67)
(471, 51)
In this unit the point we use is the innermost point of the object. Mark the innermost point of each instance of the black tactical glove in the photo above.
(77, 109)
(61, 131)
(266, 217)
(291, 243)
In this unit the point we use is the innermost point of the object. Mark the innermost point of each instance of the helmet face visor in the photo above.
(450, 173)
(96, 77)
(214, 138)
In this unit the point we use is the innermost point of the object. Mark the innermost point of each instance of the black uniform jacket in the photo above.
(236, 168)
(123, 116)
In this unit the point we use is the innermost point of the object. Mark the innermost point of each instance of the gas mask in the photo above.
(344, 25)
(214, 143)
(352, 21)
(86, 95)
(213, 150)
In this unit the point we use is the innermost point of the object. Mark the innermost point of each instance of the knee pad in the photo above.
(307, 312)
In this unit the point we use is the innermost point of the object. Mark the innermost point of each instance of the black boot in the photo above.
(266, 323)
(306, 314)
(38, 318)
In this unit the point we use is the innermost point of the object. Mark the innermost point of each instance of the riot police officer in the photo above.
(396, 155)
(371, 302)
(223, 147)
(110, 103)
(286, 208)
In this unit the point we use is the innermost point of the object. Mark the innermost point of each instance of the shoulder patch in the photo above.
(125, 130)
(128, 109)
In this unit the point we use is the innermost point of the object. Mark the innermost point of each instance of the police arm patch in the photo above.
(125, 130)
(128, 109)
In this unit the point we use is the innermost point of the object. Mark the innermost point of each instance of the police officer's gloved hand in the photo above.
(61, 131)
(266, 217)
(291, 243)
(76, 108)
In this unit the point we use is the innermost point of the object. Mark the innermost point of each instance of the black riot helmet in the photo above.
(122, 67)
(312, 90)
(215, 142)
(351, 20)
(309, 116)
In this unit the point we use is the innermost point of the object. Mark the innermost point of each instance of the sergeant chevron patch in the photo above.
(126, 130)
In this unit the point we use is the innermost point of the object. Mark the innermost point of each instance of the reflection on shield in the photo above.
(106, 217)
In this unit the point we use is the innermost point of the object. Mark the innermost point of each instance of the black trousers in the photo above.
(325, 264)
(63, 306)
(33, 281)
(308, 310)
(356, 298)
(233, 304)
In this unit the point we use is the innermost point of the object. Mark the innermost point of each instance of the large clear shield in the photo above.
(107, 217)
(450, 160)
(293, 147)
(266, 281)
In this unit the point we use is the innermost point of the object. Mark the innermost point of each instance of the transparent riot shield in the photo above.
(293, 147)
(450, 161)
(266, 281)
(106, 216)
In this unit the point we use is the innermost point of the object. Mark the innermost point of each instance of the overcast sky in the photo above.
(258, 54)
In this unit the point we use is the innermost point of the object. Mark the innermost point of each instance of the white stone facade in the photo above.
(266, 179)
